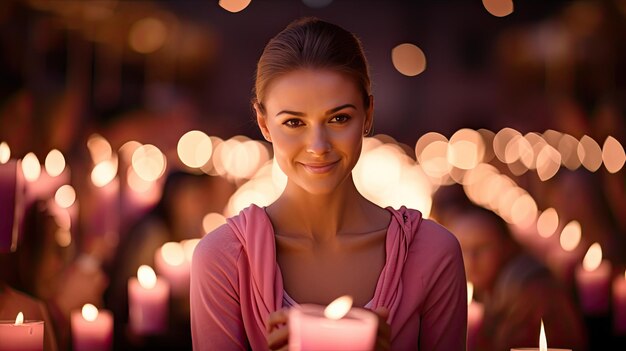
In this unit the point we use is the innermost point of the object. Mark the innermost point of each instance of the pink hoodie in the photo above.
(236, 283)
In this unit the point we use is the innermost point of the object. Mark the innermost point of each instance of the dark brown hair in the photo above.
(312, 43)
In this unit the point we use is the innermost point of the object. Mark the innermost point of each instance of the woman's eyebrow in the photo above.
(302, 114)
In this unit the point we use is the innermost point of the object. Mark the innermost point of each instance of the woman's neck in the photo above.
(320, 216)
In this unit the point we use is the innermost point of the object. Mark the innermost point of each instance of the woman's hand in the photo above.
(278, 333)
(383, 335)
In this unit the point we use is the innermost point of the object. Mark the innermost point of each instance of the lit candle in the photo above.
(336, 327)
(20, 335)
(619, 304)
(543, 343)
(92, 330)
(148, 302)
(564, 257)
(475, 312)
(170, 262)
(11, 202)
(592, 280)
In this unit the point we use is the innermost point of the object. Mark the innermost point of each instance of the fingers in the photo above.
(278, 333)
(276, 319)
(278, 339)
(383, 335)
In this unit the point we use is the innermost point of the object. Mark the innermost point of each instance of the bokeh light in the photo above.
(466, 149)
(408, 59)
(5, 152)
(593, 257)
(590, 153)
(548, 162)
(211, 221)
(501, 140)
(31, 168)
(568, 148)
(173, 253)
(148, 162)
(613, 155)
(65, 196)
(194, 149)
(99, 148)
(63, 237)
(104, 172)
(234, 6)
(499, 8)
(571, 236)
(54, 163)
(147, 35)
(548, 222)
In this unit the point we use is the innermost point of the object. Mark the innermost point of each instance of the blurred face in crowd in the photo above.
(485, 250)
(316, 120)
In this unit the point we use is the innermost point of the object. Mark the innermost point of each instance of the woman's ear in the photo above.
(369, 116)
(261, 121)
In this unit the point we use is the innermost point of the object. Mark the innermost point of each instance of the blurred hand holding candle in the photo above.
(593, 281)
(475, 312)
(337, 327)
(543, 343)
(20, 335)
(92, 330)
(619, 304)
(148, 299)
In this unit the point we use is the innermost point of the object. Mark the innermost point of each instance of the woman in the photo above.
(321, 238)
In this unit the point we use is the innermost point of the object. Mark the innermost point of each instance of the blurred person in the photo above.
(321, 238)
(517, 290)
(185, 200)
(46, 270)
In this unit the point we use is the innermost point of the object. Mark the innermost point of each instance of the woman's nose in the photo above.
(318, 143)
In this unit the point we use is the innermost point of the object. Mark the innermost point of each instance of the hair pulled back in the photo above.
(310, 43)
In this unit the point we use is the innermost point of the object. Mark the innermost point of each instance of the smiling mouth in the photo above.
(319, 168)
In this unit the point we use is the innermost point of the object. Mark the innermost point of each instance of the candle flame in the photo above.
(338, 308)
(146, 276)
(5, 152)
(571, 236)
(543, 343)
(19, 320)
(593, 258)
(89, 312)
(173, 253)
(470, 292)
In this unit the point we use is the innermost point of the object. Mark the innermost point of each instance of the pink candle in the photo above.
(170, 263)
(148, 302)
(20, 335)
(475, 312)
(337, 327)
(92, 330)
(619, 304)
(592, 280)
(11, 204)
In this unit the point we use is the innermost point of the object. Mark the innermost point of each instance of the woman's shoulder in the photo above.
(434, 240)
(218, 243)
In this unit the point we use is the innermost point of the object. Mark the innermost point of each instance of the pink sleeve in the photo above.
(216, 320)
(444, 318)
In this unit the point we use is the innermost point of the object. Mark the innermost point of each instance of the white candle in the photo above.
(20, 335)
(336, 327)
(475, 312)
(543, 343)
(170, 262)
(593, 282)
(619, 304)
(148, 302)
(92, 330)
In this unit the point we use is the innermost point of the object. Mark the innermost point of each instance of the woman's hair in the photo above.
(312, 43)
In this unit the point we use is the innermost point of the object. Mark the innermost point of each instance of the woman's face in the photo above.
(315, 120)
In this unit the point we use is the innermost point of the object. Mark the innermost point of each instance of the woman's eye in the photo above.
(293, 123)
(340, 118)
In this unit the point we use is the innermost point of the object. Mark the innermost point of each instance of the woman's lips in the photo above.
(319, 168)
